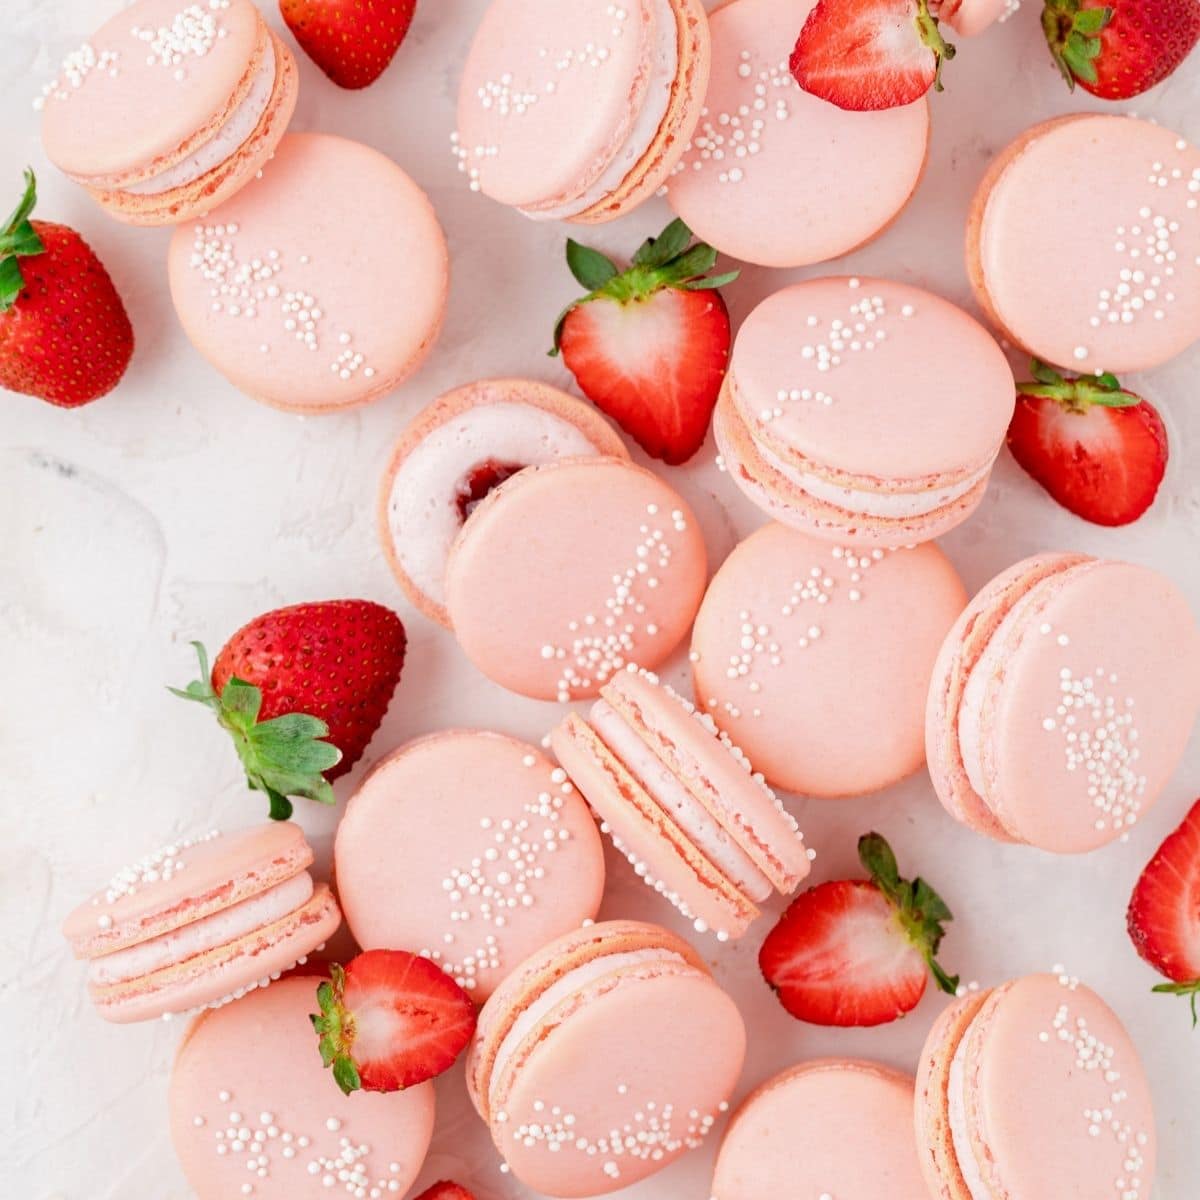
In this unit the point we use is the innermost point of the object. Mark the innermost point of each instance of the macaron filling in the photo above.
(220, 928)
(671, 795)
(426, 506)
(960, 1136)
(662, 71)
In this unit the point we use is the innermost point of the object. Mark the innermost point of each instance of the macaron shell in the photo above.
(455, 409)
(1120, 641)
(811, 182)
(508, 826)
(826, 697)
(802, 1135)
(1146, 222)
(1048, 1063)
(254, 1065)
(569, 571)
(146, 115)
(225, 973)
(212, 874)
(328, 267)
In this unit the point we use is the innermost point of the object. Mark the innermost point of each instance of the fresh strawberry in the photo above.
(390, 1020)
(649, 346)
(1118, 48)
(870, 54)
(302, 690)
(1097, 449)
(352, 41)
(1164, 911)
(64, 334)
(446, 1191)
(857, 951)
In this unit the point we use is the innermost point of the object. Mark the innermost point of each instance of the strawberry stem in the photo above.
(1079, 394)
(1072, 34)
(18, 239)
(931, 36)
(335, 1028)
(1191, 990)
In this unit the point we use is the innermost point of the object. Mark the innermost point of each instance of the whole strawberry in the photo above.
(858, 951)
(649, 345)
(64, 334)
(302, 691)
(1099, 450)
(390, 1020)
(1118, 48)
(352, 41)
(446, 1190)
(1164, 912)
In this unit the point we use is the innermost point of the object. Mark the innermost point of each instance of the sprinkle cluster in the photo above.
(76, 67)
(156, 867)
(266, 1145)
(500, 880)
(192, 34)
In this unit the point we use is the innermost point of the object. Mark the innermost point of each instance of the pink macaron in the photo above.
(823, 1130)
(201, 922)
(775, 176)
(471, 849)
(579, 111)
(1062, 701)
(603, 1058)
(569, 571)
(455, 452)
(170, 108)
(680, 801)
(308, 306)
(864, 411)
(815, 659)
(254, 1113)
(1130, 299)
(1033, 1091)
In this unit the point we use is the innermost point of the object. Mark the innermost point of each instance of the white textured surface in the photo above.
(177, 508)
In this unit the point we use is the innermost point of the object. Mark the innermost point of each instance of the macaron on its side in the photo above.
(248, 1087)
(571, 570)
(458, 448)
(512, 861)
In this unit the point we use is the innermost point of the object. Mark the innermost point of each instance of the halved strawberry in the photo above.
(445, 1190)
(857, 951)
(649, 346)
(390, 1020)
(1099, 450)
(870, 54)
(1164, 911)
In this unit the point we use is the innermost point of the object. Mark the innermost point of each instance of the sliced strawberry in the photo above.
(1097, 449)
(445, 1190)
(856, 951)
(482, 480)
(1164, 911)
(351, 41)
(390, 1020)
(870, 54)
(649, 346)
(1116, 49)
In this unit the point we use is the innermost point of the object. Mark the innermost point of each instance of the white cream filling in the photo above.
(696, 822)
(645, 126)
(204, 935)
(873, 504)
(423, 518)
(959, 1135)
(232, 135)
(562, 989)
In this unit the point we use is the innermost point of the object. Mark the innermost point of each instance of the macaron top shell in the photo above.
(512, 860)
(1130, 299)
(1056, 1096)
(248, 1084)
(871, 378)
(569, 571)
(778, 177)
(307, 305)
(161, 72)
(802, 1134)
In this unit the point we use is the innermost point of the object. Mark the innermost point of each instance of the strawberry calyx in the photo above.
(1077, 395)
(335, 1025)
(1190, 989)
(667, 261)
(920, 911)
(1072, 33)
(283, 757)
(18, 239)
(931, 35)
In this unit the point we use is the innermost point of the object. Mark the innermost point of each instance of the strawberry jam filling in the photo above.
(480, 482)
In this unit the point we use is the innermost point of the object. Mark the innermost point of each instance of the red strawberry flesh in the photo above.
(481, 481)
(446, 1190)
(352, 41)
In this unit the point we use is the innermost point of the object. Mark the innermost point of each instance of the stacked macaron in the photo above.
(201, 922)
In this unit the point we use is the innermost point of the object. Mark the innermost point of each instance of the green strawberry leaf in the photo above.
(657, 252)
(1191, 990)
(1080, 394)
(334, 1026)
(18, 239)
(591, 269)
